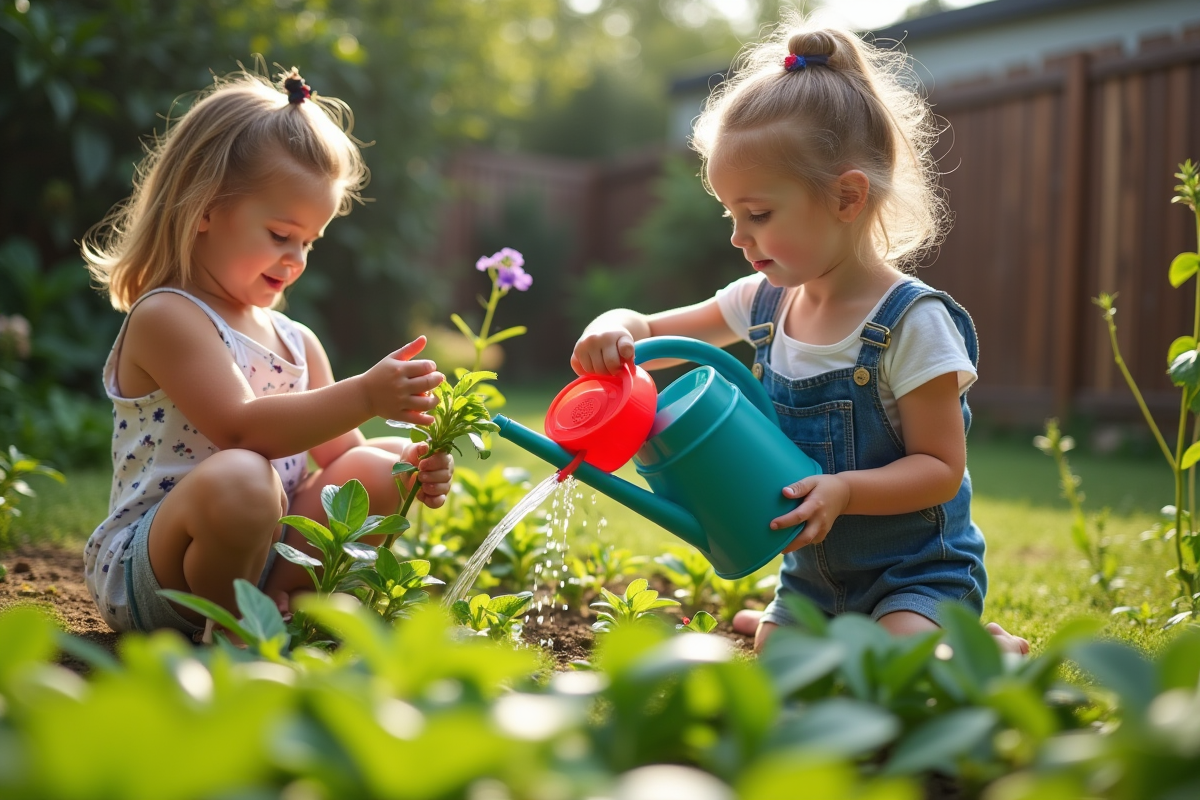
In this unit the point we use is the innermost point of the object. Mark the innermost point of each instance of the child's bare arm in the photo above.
(175, 344)
(929, 474)
(608, 341)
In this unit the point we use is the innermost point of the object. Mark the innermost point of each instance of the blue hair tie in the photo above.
(794, 62)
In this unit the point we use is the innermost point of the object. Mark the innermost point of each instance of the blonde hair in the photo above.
(219, 150)
(859, 111)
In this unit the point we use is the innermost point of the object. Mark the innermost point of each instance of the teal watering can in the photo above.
(709, 447)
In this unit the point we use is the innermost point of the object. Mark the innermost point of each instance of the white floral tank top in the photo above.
(154, 446)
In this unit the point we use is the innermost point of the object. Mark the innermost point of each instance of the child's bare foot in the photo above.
(746, 621)
(1007, 642)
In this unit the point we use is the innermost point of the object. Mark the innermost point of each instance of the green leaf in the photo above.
(375, 525)
(1185, 369)
(634, 587)
(93, 153)
(316, 533)
(260, 615)
(702, 621)
(361, 552)
(387, 566)
(350, 505)
(1179, 347)
(507, 333)
(296, 556)
(1121, 669)
(463, 327)
(976, 653)
(838, 727)
(1183, 267)
(1190, 456)
(796, 660)
(937, 743)
(510, 605)
(461, 611)
(208, 609)
(402, 468)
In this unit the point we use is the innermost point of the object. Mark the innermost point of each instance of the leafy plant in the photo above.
(497, 617)
(342, 555)
(635, 605)
(519, 553)
(261, 626)
(1183, 366)
(689, 571)
(1095, 549)
(580, 585)
(14, 469)
(611, 564)
(396, 587)
(702, 622)
(460, 412)
(732, 595)
(476, 504)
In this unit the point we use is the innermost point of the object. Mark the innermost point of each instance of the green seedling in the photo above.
(520, 551)
(1095, 549)
(460, 413)
(703, 622)
(261, 626)
(618, 611)
(496, 617)
(689, 571)
(15, 467)
(429, 545)
(396, 587)
(342, 554)
(580, 585)
(612, 564)
(732, 595)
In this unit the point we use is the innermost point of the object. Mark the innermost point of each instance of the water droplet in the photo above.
(540, 618)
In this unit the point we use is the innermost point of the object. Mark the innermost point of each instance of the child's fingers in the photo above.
(412, 417)
(812, 533)
(409, 350)
(577, 365)
(612, 359)
(625, 348)
(799, 488)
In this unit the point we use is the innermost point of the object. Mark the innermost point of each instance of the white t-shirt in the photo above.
(925, 344)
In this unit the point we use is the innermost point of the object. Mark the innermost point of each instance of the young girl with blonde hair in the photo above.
(819, 149)
(218, 399)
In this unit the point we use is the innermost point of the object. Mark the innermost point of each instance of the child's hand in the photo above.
(398, 388)
(435, 474)
(825, 498)
(602, 352)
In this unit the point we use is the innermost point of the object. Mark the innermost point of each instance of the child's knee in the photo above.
(239, 488)
(372, 467)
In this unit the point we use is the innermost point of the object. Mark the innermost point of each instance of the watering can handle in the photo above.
(694, 350)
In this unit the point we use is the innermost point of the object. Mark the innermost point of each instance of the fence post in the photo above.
(1069, 250)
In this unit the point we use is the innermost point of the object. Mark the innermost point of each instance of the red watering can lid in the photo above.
(606, 417)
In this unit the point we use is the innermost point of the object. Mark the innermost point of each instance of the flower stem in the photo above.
(1162, 443)
(408, 501)
(481, 341)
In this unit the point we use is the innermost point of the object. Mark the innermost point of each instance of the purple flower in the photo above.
(505, 257)
(513, 278)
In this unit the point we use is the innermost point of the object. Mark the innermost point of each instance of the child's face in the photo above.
(785, 232)
(251, 249)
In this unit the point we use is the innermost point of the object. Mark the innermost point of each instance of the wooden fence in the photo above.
(1060, 185)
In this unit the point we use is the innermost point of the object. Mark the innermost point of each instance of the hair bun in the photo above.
(812, 43)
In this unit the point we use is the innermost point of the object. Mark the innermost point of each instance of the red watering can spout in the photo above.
(566, 471)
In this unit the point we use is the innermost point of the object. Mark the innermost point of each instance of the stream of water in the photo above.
(537, 495)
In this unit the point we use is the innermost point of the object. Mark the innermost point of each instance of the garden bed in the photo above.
(53, 576)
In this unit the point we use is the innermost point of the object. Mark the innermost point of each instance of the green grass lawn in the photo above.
(1037, 580)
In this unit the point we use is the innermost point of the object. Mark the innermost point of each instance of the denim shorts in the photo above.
(150, 610)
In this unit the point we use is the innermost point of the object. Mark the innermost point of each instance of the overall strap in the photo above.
(876, 334)
(217, 320)
(764, 313)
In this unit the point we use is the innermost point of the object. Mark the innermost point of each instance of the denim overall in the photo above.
(869, 564)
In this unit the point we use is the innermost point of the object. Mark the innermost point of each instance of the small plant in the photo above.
(15, 467)
(342, 555)
(506, 270)
(396, 587)
(476, 503)
(580, 585)
(689, 571)
(520, 551)
(261, 626)
(460, 412)
(1102, 562)
(495, 617)
(611, 564)
(731, 595)
(1143, 616)
(703, 622)
(1183, 366)
(617, 611)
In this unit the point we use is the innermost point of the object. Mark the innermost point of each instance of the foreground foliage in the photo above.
(838, 706)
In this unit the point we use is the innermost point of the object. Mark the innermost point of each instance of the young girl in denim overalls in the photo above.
(819, 151)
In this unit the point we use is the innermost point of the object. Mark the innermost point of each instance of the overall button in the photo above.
(757, 370)
(861, 376)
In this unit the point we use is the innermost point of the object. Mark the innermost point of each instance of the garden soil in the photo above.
(53, 576)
